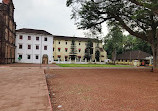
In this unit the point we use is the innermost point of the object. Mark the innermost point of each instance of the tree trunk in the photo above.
(155, 56)
(114, 56)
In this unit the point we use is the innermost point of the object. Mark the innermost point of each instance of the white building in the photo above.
(34, 46)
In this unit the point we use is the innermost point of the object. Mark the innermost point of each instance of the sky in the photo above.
(50, 15)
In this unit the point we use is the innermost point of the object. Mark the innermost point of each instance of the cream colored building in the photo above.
(62, 48)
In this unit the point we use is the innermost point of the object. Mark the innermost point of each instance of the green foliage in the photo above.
(19, 58)
(138, 17)
(128, 43)
(113, 42)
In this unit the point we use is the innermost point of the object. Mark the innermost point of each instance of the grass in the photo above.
(91, 65)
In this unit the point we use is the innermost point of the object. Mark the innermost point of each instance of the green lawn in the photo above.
(91, 65)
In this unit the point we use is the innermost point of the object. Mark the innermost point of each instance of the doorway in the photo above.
(45, 59)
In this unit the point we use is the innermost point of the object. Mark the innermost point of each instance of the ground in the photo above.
(23, 89)
(103, 89)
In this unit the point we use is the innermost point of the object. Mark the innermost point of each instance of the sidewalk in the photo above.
(23, 89)
(27, 65)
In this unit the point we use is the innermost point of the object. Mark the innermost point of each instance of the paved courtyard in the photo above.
(23, 89)
(103, 89)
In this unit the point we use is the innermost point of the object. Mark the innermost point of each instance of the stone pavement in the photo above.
(28, 65)
(23, 89)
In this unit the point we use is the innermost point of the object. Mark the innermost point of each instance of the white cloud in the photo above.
(50, 15)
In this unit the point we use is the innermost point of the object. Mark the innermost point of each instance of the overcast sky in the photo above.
(50, 15)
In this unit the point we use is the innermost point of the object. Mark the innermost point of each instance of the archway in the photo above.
(45, 59)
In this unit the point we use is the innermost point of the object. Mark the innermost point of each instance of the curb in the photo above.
(48, 92)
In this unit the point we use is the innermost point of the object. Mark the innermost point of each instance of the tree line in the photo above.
(116, 43)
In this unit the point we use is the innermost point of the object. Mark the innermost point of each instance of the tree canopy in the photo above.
(138, 17)
(113, 42)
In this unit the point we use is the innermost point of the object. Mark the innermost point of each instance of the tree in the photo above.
(113, 42)
(73, 51)
(138, 17)
(89, 50)
(142, 45)
(127, 43)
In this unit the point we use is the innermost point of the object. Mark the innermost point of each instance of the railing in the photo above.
(79, 62)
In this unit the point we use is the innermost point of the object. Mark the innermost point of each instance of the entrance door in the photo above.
(45, 59)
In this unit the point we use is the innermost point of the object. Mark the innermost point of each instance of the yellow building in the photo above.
(62, 48)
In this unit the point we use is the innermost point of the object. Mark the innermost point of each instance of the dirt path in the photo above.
(103, 89)
(23, 89)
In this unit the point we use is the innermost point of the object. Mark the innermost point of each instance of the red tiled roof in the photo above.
(76, 38)
(133, 55)
(36, 31)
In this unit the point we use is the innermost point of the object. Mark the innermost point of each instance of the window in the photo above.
(28, 56)
(29, 37)
(59, 56)
(66, 49)
(66, 43)
(102, 55)
(37, 38)
(53, 49)
(45, 39)
(20, 46)
(59, 42)
(37, 57)
(21, 37)
(45, 47)
(29, 46)
(79, 50)
(66, 57)
(59, 49)
(79, 43)
(20, 56)
(37, 47)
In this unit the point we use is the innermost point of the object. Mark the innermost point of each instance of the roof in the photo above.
(133, 55)
(57, 37)
(34, 31)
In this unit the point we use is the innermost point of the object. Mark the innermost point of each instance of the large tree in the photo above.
(113, 42)
(138, 17)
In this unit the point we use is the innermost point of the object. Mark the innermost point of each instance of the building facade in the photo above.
(7, 32)
(62, 48)
(34, 46)
(136, 58)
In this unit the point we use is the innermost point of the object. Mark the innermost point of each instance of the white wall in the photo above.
(33, 51)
